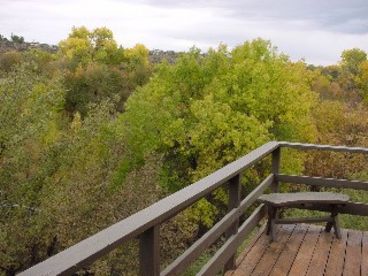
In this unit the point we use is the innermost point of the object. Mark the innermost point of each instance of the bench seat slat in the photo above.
(289, 199)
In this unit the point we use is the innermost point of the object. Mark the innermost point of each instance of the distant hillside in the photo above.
(17, 43)
(156, 56)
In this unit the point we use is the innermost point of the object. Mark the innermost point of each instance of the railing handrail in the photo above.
(304, 146)
(148, 220)
(93, 247)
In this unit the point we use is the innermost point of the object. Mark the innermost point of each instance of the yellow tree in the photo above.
(98, 69)
(83, 46)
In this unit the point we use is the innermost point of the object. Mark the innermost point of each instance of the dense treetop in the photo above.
(236, 99)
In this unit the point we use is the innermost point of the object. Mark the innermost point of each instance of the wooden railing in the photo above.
(145, 224)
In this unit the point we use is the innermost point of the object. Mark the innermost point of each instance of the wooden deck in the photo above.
(304, 249)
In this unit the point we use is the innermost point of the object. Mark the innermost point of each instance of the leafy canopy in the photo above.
(207, 110)
(97, 69)
(352, 58)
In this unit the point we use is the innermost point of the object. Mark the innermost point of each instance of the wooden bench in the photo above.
(275, 201)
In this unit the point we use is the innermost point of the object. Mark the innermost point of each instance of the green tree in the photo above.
(207, 110)
(344, 78)
(30, 112)
(351, 60)
(16, 38)
(92, 84)
(60, 180)
(9, 60)
(42, 62)
(97, 69)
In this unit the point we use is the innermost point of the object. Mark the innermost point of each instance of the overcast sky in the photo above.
(317, 30)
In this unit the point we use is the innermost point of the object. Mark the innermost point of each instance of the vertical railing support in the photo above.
(234, 201)
(276, 156)
(149, 252)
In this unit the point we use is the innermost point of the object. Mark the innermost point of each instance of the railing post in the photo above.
(234, 201)
(276, 156)
(149, 252)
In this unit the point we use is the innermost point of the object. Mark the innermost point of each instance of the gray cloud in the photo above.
(338, 15)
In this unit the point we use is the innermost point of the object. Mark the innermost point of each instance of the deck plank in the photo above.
(365, 254)
(320, 254)
(241, 258)
(286, 259)
(254, 242)
(303, 258)
(335, 264)
(353, 256)
(273, 251)
(304, 249)
(253, 256)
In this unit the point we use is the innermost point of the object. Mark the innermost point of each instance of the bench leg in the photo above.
(329, 226)
(337, 227)
(334, 223)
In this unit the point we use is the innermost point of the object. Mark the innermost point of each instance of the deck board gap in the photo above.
(306, 249)
(314, 250)
(283, 248)
(300, 245)
(252, 244)
(329, 254)
(287, 237)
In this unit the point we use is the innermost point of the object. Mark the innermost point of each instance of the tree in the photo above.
(207, 110)
(16, 39)
(93, 84)
(351, 60)
(83, 46)
(60, 181)
(3, 38)
(97, 69)
(41, 62)
(344, 77)
(29, 117)
(9, 60)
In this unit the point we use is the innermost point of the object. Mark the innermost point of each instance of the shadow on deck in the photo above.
(304, 249)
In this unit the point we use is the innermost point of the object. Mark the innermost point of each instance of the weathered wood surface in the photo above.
(353, 256)
(248, 259)
(290, 251)
(300, 264)
(273, 251)
(336, 261)
(218, 260)
(302, 146)
(194, 251)
(352, 208)
(305, 250)
(288, 199)
(323, 181)
(320, 254)
(365, 253)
